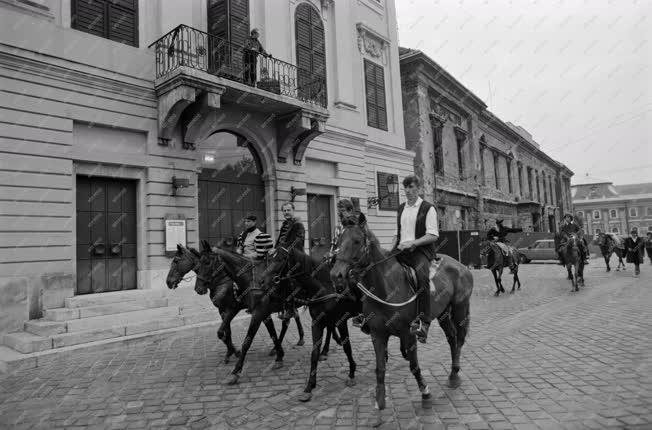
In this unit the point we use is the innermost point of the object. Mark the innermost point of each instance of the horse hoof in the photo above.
(323, 357)
(497, 293)
(227, 358)
(233, 379)
(350, 382)
(426, 396)
(454, 381)
(305, 397)
(511, 292)
(301, 342)
(277, 365)
(237, 353)
(374, 422)
(272, 352)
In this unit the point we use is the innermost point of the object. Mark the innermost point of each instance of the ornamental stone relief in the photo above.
(370, 43)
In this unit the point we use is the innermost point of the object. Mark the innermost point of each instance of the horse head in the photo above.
(354, 252)
(210, 270)
(185, 260)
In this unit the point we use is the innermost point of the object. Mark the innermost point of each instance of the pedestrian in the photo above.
(635, 254)
(245, 244)
(252, 48)
(648, 245)
(292, 235)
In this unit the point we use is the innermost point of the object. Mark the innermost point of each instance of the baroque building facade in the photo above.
(131, 125)
(606, 207)
(476, 167)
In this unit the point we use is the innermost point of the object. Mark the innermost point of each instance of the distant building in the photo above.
(475, 167)
(613, 208)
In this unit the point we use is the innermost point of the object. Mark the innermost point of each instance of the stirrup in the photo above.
(419, 329)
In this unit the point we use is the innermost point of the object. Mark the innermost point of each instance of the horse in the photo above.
(329, 309)
(572, 257)
(496, 262)
(248, 275)
(610, 244)
(389, 306)
(222, 295)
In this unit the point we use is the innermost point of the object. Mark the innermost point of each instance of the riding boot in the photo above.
(419, 327)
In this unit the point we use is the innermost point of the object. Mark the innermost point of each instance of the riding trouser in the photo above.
(421, 265)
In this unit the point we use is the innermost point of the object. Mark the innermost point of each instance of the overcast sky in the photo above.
(575, 74)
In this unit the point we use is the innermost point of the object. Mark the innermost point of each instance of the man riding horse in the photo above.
(568, 228)
(498, 235)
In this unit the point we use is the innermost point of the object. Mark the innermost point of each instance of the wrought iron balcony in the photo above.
(189, 47)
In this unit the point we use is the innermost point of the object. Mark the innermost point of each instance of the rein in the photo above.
(364, 289)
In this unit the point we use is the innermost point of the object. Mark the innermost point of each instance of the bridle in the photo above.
(186, 255)
(358, 264)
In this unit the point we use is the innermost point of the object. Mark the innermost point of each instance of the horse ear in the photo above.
(179, 248)
(195, 252)
(205, 246)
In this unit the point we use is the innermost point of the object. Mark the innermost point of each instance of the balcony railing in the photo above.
(187, 46)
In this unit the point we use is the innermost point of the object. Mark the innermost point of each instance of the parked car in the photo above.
(543, 249)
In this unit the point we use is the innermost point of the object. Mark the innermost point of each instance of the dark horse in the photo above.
(496, 262)
(389, 306)
(248, 275)
(328, 309)
(609, 245)
(573, 260)
(222, 295)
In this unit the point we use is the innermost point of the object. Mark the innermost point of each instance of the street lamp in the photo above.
(392, 188)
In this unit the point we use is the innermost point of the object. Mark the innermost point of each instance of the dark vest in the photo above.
(419, 228)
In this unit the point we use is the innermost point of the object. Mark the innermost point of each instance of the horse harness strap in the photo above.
(319, 299)
(379, 300)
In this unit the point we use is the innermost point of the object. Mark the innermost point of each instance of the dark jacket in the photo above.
(500, 232)
(292, 234)
(635, 250)
(571, 228)
(419, 229)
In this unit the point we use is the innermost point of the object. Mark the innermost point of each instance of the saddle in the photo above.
(411, 274)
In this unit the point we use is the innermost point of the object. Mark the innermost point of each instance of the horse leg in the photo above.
(403, 349)
(284, 328)
(500, 279)
(606, 260)
(515, 280)
(317, 333)
(254, 324)
(269, 324)
(327, 344)
(570, 275)
(493, 272)
(447, 325)
(299, 329)
(411, 347)
(379, 340)
(346, 346)
(224, 333)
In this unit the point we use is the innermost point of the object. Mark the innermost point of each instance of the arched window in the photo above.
(311, 54)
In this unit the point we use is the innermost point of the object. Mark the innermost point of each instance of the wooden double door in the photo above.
(106, 235)
(320, 226)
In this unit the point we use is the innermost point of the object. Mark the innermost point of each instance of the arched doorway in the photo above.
(230, 187)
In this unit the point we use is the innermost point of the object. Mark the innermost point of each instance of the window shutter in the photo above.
(375, 89)
(311, 53)
(239, 14)
(217, 18)
(123, 21)
(386, 202)
(89, 16)
(112, 19)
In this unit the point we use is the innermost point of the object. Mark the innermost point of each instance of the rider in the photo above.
(292, 235)
(245, 242)
(569, 227)
(498, 235)
(344, 210)
(416, 235)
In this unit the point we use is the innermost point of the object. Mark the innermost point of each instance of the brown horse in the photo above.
(389, 306)
(496, 262)
(222, 295)
(609, 245)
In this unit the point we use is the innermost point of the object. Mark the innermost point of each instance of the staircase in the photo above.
(110, 316)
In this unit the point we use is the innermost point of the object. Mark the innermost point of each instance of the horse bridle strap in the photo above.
(319, 299)
(379, 300)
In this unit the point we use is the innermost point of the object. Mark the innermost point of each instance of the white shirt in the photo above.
(409, 221)
(248, 248)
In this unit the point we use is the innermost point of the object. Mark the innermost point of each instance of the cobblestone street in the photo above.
(541, 358)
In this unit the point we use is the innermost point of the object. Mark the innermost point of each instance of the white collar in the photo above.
(416, 203)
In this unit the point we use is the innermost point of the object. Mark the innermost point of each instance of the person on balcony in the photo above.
(252, 49)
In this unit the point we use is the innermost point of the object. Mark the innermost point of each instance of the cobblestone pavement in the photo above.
(541, 358)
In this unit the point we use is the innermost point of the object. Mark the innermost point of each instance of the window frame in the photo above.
(596, 211)
(611, 212)
(107, 5)
(635, 215)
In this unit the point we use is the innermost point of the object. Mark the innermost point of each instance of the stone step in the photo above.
(87, 300)
(84, 336)
(65, 314)
(45, 328)
(194, 317)
(155, 325)
(121, 319)
(27, 342)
